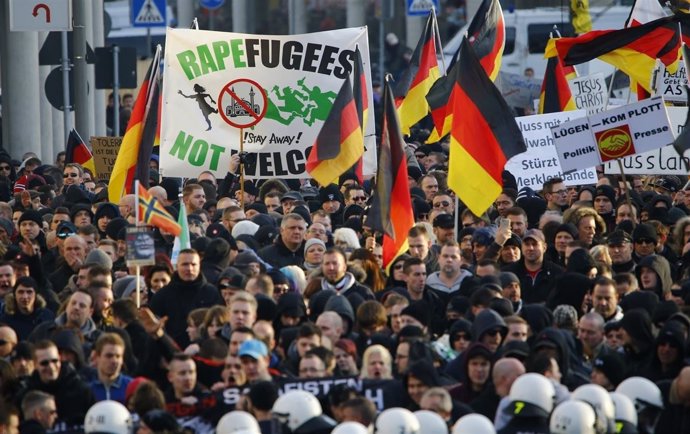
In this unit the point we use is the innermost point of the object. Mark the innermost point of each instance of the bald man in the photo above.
(504, 374)
(126, 206)
(160, 194)
(331, 325)
(8, 340)
(74, 253)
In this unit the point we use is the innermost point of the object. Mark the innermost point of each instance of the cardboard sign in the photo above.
(105, 150)
(590, 92)
(141, 249)
(662, 161)
(672, 86)
(540, 162)
(623, 131)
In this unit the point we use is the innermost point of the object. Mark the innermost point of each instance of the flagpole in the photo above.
(136, 216)
(438, 40)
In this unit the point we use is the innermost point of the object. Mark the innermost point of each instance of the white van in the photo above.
(527, 32)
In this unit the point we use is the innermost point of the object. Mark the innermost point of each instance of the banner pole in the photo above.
(138, 287)
(242, 168)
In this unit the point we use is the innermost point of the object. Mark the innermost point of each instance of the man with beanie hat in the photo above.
(608, 370)
(331, 201)
(645, 239)
(418, 314)
(604, 198)
(637, 339)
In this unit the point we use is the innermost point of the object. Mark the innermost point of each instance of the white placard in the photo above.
(590, 92)
(672, 86)
(540, 162)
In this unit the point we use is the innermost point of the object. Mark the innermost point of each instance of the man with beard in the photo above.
(186, 291)
(336, 276)
(452, 279)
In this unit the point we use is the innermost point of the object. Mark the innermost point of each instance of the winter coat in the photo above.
(24, 324)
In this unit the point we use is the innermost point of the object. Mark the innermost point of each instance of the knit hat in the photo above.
(245, 227)
(569, 228)
(99, 257)
(644, 231)
(114, 226)
(638, 324)
(31, 215)
(565, 316)
(418, 310)
(483, 236)
(507, 278)
(606, 190)
(612, 366)
(330, 192)
(311, 242)
(160, 421)
(7, 225)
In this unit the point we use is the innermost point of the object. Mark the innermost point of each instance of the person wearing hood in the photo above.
(187, 290)
(669, 353)
(638, 340)
(72, 395)
(419, 377)
(654, 274)
(476, 372)
(24, 309)
(216, 259)
(554, 343)
(104, 214)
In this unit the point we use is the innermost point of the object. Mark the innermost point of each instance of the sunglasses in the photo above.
(441, 204)
(70, 175)
(358, 198)
(47, 362)
(645, 241)
(5, 168)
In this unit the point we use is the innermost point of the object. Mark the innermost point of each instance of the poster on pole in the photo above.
(105, 150)
(590, 92)
(271, 92)
(617, 133)
(662, 161)
(672, 86)
(540, 162)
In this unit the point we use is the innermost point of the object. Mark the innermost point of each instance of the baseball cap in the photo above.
(65, 229)
(294, 195)
(253, 348)
(535, 234)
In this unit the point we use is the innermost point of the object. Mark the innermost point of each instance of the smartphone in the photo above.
(504, 223)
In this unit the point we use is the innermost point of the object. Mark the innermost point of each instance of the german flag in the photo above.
(417, 79)
(555, 93)
(135, 151)
(682, 142)
(487, 35)
(359, 91)
(340, 143)
(643, 11)
(391, 209)
(484, 135)
(153, 213)
(633, 50)
(76, 151)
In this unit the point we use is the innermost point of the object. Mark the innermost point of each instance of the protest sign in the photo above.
(105, 150)
(518, 90)
(275, 90)
(590, 92)
(660, 161)
(616, 133)
(540, 163)
(672, 86)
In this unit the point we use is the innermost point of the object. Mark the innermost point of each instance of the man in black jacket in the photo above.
(288, 248)
(186, 291)
(40, 413)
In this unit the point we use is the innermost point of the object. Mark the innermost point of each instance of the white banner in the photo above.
(590, 92)
(620, 132)
(540, 162)
(275, 90)
(672, 86)
(662, 161)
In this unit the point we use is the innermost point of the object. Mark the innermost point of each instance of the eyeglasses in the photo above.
(560, 192)
(317, 231)
(359, 198)
(5, 168)
(50, 411)
(70, 175)
(441, 204)
(47, 362)
(645, 241)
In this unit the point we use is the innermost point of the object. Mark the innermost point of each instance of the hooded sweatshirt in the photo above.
(662, 268)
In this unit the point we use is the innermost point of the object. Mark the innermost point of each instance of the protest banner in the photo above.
(274, 90)
(105, 150)
(540, 162)
(662, 161)
(613, 134)
(590, 92)
(672, 86)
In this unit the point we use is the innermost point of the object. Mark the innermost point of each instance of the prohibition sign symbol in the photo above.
(242, 103)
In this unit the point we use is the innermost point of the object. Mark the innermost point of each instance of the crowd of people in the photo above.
(558, 311)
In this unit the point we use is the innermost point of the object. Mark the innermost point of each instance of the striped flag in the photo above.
(487, 35)
(632, 50)
(484, 136)
(340, 143)
(182, 241)
(137, 144)
(153, 213)
(417, 79)
(76, 151)
(555, 92)
(643, 11)
(391, 209)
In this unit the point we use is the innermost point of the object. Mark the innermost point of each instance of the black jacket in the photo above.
(73, 396)
(278, 255)
(179, 298)
(537, 290)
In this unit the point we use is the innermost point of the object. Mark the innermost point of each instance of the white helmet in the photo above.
(108, 417)
(626, 416)
(296, 407)
(238, 421)
(600, 399)
(574, 417)
(350, 428)
(646, 397)
(397, 421)
(642, 392)
(430, 422)
(474, 423)
(532, 395)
